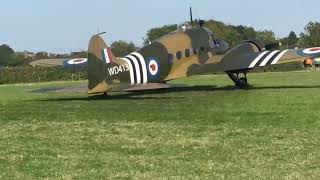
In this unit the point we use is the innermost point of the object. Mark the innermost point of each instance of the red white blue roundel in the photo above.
(310, 51)
(153, 67)
(77, 61)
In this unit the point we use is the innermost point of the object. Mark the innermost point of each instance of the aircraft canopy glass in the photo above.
(184, 26)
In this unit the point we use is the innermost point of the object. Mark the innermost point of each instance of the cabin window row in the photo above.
(187, 53)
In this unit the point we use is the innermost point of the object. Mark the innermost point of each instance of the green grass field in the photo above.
(210, 131)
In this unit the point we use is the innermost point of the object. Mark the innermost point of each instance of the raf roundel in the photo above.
(314, 50)
(153, 67)
(77, 61)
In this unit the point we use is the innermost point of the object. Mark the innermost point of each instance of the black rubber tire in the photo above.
(243, 79)
(243, 84)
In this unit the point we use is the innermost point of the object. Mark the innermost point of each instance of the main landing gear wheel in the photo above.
(241, 83)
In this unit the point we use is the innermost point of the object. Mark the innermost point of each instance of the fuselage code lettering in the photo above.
(118, 69)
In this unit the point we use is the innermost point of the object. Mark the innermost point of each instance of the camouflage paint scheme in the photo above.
(188, 51)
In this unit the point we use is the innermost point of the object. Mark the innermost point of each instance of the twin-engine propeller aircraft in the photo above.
(191, 50)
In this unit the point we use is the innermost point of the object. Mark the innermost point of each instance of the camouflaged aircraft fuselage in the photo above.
(186, 52)
(175, 55)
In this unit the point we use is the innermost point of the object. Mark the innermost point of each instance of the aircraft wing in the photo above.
(66, 63)
(249, 60)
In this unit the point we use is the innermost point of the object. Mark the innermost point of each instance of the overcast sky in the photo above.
(66, 25)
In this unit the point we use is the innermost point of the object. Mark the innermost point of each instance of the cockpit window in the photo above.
(202, 49)
(218, 42)
(187, 52)
(213, 42)
(183, 27)
(170, 58)
(195, 51)
(179, 55)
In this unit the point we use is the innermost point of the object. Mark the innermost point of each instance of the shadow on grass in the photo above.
(143, 94)
(138, 95)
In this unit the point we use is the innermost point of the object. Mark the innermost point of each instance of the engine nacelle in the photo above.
(238, 55)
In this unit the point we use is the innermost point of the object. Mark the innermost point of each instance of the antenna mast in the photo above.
(191, 18)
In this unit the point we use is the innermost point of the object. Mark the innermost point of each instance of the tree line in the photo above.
(230, 33)
(237, 34)
(233, 35)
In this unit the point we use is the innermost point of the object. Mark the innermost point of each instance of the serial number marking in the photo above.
(118, 69)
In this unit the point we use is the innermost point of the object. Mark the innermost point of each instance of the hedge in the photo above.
(27, 74)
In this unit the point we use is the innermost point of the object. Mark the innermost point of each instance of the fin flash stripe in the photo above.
(106, 56)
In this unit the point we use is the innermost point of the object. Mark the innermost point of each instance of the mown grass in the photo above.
(210, 131)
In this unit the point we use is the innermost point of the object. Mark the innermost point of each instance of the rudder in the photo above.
(96, 66)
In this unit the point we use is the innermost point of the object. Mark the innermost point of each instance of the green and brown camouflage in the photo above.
(186, 52)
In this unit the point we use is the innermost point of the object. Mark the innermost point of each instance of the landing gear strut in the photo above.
(242, 82)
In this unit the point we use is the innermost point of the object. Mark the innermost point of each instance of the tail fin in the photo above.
(96, 66)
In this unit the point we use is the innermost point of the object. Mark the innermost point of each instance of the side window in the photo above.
(202, 49)
(195, 51)
(212, 41)
(179, 55)
(217, 42)
(170, 58)
(187, 52)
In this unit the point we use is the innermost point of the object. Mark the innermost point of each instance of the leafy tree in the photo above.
(292, 39)
(266, 36)
(246, 32)
(6, 50)
(122, 48)
(311, 36)
(233, 37)
(8, 56)
(156, 33)
(42, 55)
